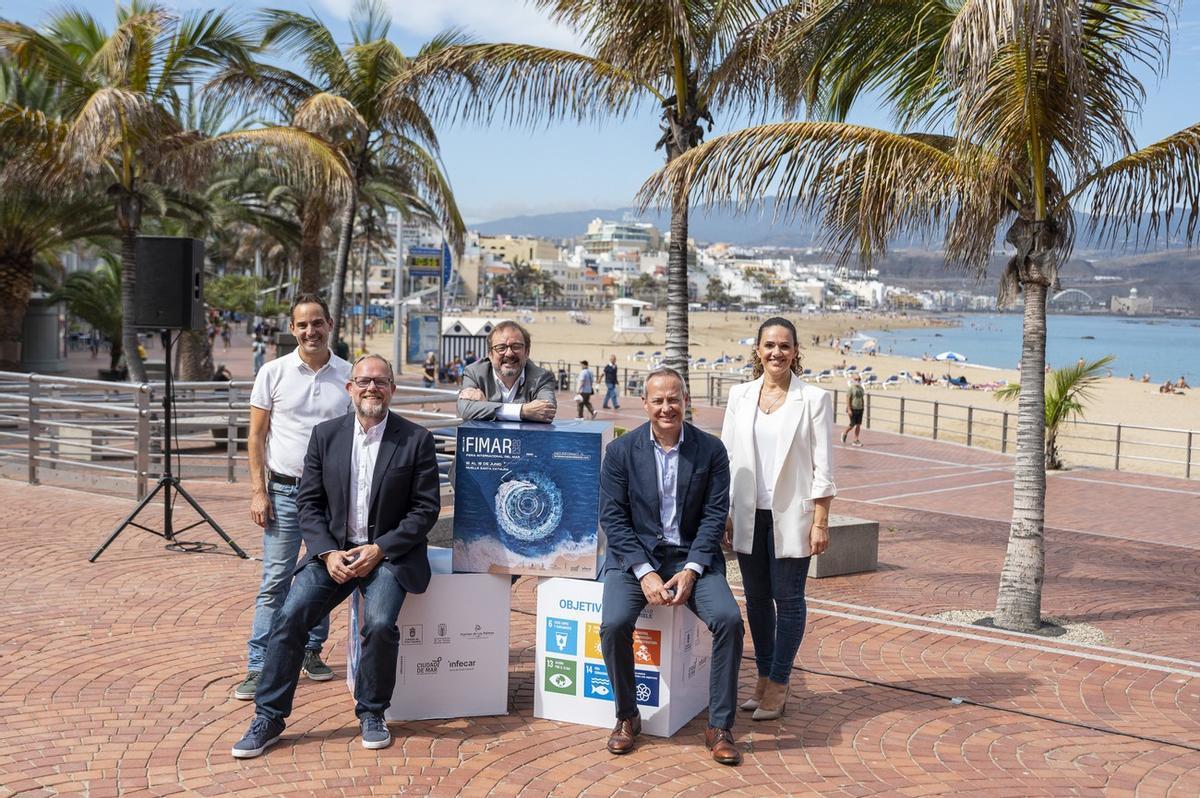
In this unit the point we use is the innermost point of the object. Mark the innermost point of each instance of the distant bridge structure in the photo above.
(1075, 296)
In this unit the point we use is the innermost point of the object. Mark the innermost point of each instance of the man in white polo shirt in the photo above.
(291, 395)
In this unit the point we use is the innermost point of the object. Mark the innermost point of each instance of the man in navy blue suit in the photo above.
(664, 500)
(367, 500)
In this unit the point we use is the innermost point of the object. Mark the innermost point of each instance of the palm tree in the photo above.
(1067, 391)
(690, 59)
(120, 91)
(34, 226)
(525, 285)
(342, 100)
(95, 297)
(1038, 95)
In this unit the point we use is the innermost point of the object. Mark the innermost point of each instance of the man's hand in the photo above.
(367, 556)
(471, 395)
(335, 563)
(818, 538)
(654, 590)
(538, 410)
(260, 508)
(727, 541)
(682, 583)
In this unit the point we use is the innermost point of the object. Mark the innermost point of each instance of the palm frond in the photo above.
(520, 84)
(111, 120)
(310, 39)
(862, 184)
(1151, 193)
(332, 117)
(261, 84)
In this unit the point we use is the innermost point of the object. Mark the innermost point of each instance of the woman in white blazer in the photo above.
(778, 431)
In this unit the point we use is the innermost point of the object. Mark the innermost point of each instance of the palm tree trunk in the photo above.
(343, 257)
(677, 289)
(1019, 603)
(16, 284)
(193, 358)
(129, 342)
(312, 224)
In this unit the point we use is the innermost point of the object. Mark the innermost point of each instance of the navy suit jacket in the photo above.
(629, 506)
(405, 496)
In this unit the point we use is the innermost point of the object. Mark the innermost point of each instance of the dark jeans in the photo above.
(711, 600)
(775, 606)
(587, 402)
(313, 595)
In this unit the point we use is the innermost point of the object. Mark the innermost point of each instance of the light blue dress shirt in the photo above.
(666, 463)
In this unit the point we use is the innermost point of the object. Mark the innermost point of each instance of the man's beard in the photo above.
(375, 410)
(510, 368)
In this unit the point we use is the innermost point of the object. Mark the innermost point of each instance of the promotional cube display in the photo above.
(672, 656)
(527, 498)
(453, 659)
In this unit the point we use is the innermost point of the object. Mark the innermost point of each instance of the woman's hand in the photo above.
(818, 538)
(727, 541)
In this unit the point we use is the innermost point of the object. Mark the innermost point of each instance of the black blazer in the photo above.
(405, 497)
(629, 507)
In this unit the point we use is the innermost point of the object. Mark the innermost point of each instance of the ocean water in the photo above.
(1164, 348)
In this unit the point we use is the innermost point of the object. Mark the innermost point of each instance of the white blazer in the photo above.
(803, 463)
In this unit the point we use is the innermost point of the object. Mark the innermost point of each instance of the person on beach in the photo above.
(585, 386)
(856, 400)
(778, 431)
(429, 371)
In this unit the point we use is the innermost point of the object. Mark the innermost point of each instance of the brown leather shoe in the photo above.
(621, 739)
(720, 742)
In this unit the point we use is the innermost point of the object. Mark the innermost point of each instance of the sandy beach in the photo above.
(556, 337)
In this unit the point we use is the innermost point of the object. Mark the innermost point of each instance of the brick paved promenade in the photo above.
(115, 678)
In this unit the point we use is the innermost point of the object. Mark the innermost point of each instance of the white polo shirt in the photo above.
(298, 399)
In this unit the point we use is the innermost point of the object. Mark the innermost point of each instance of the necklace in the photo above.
(767, 410)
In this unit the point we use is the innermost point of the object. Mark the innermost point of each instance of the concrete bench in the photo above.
(853, 548)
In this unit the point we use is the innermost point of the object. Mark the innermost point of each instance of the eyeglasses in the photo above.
(516, 349)
(366, 382)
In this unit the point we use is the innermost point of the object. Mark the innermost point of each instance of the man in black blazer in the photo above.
(505, 386)
(664, 500)
(367, 500)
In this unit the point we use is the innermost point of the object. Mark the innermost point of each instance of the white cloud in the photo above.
(486, 20)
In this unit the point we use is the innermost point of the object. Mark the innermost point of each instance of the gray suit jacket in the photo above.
(538, 384)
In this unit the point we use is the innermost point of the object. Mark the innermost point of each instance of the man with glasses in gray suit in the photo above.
(506, 386)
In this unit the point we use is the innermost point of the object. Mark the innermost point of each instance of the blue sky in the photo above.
(502, 171)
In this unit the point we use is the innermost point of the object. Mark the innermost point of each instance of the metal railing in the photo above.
(1121, 447)
(109, 435)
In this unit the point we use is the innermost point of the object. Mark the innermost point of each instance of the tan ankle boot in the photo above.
(756, 697)
(773, 701)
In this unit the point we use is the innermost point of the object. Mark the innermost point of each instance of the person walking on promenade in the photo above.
(610, 384)
(429, 371)
(778, 431)
(506, 386)
(291, 395)
(368, 498)
(585, 386)
(856, 400)
(259, 349)
(664, 496)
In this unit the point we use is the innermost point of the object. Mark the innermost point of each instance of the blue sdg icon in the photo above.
(561, 636)
(645, 690)
(595, 682)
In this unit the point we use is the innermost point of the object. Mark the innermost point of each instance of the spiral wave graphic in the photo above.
(529, 507)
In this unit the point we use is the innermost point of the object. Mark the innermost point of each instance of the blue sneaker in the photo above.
(375, 732)
(262, 734)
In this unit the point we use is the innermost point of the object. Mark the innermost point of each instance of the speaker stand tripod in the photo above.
(166, 483)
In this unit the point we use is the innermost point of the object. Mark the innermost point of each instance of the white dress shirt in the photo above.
(362, 470)
(509, 410)
(666, 464)
(298, 399)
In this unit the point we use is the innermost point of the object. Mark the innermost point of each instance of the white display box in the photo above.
(672, 660)
(453, 659)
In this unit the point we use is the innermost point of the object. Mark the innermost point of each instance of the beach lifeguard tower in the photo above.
(632, 322)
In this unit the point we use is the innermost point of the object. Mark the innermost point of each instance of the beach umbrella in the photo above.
(953, 356)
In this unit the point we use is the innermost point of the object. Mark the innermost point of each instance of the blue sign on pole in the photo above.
(447, 264)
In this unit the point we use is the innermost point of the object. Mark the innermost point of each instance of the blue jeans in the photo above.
(281, 546)
(775, 606)
(711, 600)
(610, 394)
(313, 596)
